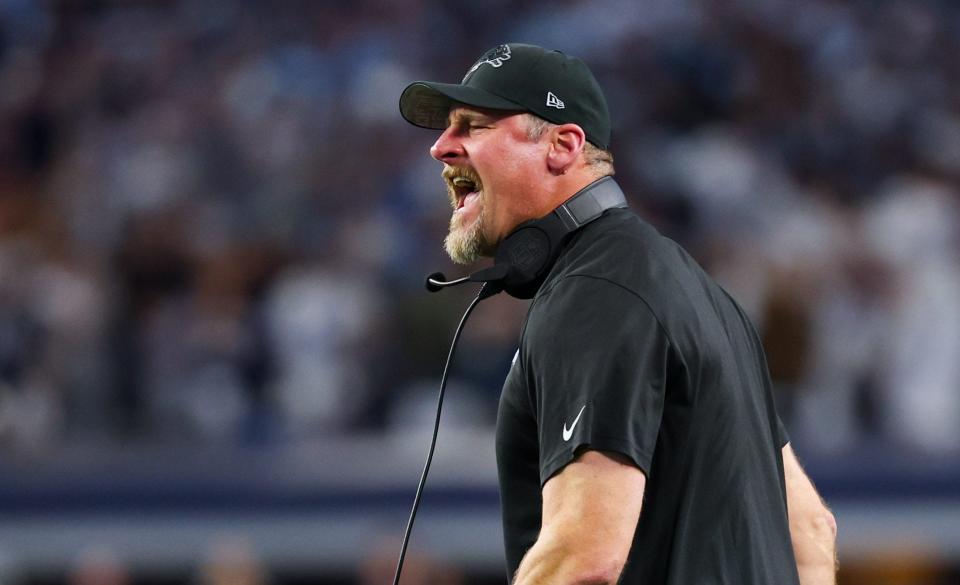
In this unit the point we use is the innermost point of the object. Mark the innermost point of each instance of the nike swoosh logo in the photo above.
(567, 433)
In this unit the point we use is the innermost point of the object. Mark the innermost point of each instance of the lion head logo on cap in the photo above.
(494, 57)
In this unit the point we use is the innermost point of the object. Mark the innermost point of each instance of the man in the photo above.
(637, 440)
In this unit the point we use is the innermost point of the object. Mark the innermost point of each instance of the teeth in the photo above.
(462, 182)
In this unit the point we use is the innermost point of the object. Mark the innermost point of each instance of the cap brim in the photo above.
(427, 104)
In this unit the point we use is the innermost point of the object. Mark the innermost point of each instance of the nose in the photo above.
(448, 147)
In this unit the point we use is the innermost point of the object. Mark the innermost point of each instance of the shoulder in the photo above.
(585, 312)
(625, 252)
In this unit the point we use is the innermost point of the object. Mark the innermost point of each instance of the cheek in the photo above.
(509, 184)
(515, 200)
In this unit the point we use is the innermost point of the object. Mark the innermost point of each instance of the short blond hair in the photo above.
(598, 159)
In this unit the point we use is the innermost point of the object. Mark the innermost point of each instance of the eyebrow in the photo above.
(467, 116)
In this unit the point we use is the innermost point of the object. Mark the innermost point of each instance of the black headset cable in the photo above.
(484, 293)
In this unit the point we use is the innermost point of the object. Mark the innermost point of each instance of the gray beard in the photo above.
(465, 245)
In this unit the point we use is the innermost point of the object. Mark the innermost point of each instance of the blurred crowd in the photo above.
(214, 224)
(231, 559)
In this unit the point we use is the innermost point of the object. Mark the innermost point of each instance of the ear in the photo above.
(566, 144)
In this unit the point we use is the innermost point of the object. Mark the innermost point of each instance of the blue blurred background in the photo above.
(217, 359)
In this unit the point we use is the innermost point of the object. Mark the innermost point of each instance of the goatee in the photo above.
(465, 245)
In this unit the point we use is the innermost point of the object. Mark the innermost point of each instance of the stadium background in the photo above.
(217, 359)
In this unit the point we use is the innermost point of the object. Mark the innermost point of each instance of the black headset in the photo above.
(526, 255)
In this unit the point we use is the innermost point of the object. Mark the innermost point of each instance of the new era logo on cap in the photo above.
(554, 102)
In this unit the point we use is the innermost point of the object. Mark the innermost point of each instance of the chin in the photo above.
(463, 245)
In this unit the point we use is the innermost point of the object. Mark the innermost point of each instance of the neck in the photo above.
(566, 186)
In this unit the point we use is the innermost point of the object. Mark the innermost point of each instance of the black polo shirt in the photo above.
(630, 347)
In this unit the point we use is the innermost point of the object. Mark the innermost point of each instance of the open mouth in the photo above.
(465, 190)
(464, 187)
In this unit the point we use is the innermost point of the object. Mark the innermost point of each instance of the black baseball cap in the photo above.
(517, 78)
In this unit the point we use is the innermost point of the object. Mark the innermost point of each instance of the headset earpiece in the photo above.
(530, 250)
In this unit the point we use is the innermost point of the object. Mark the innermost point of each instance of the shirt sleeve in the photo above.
(597, 359)
(782, 436)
